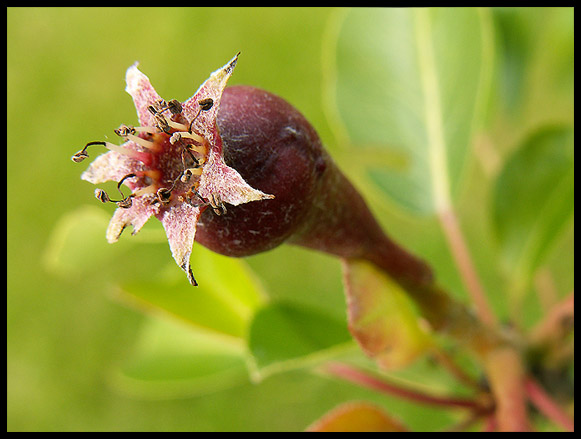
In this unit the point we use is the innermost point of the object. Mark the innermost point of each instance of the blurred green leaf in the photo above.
(77, 245)
(225, 300)
(172, 360)
(535, 54)
(283, 331)
(381, 317)
(413, 81)
(534, 199)
(78, 242)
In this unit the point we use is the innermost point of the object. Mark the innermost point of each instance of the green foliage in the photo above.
(423, 109)
(414, 81)
(533, 200)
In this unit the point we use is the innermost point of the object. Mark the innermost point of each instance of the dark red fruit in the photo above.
(277, 151)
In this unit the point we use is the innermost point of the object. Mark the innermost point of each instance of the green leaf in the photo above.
(413, 81)
(78, 242)
(224, 302)
(171, 360)
(77, 245)
(534, 199)
(283, 331)
(381, 317)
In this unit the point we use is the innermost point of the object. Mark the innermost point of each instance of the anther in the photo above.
(124, 130)
(125, 203)
(82, 154)
(79, 156)
(186, 175)
(162, 123)
(206, 104)
(174, 106)
(163, 195)
(217, 205)
(102, 196)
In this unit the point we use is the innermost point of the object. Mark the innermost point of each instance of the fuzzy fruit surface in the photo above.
(275, 149)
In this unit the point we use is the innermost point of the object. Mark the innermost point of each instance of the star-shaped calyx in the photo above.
(172, 163)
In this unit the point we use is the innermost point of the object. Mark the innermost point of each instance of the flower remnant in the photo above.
(172, 163)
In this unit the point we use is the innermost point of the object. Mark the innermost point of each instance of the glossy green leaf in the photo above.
(225, 300)
(412, 81)
(284, 331)
(534, 199)
(172, 360)
(381, 318)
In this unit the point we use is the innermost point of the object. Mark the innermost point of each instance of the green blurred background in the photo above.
(66, 337)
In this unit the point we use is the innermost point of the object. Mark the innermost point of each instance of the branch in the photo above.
(461, 255)
(556, 324)
(364, 379)
(505, 374)
(545, 404)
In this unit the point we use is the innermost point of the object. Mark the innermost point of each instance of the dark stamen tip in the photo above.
(79, 156)
(206, 104)
(102, 196)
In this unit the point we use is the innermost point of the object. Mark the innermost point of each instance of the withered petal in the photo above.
(136, 215)
(180, 223)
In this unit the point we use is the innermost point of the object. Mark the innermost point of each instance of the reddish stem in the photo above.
(556, 324)
(545, 404)
(364, 379)
(461, 255)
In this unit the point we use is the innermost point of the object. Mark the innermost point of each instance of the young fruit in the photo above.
(277, 151)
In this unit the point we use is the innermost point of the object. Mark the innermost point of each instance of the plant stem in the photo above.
(457, 243)
(456, 371)
(556, 324)
(505, 374)
(545, 404)
(363, 378)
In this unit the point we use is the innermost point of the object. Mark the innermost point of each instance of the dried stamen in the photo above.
(124, 130)
(102, 196)
(175, 107)
(217, 205)
(82, 154)
(164, 195)
(206, 104)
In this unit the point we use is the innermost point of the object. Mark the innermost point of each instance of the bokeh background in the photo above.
(68, 334)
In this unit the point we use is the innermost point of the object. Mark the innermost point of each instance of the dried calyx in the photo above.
(172, 163)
